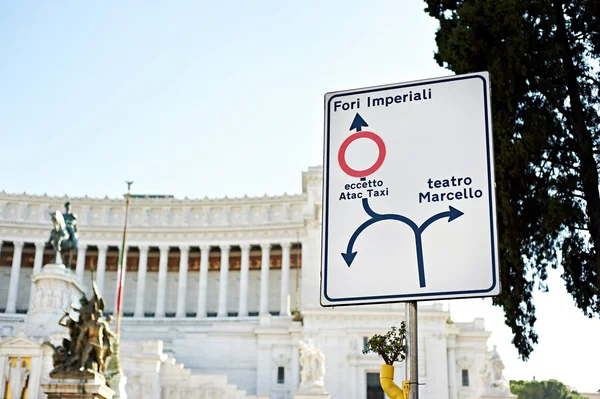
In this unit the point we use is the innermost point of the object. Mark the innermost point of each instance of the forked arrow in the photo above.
(452, 214)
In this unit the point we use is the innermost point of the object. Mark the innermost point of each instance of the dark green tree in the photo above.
(543, 57)
(550, 389)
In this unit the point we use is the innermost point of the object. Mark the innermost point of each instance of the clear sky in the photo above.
(214, 98)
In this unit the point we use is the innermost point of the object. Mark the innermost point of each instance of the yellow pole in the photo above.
(386, 379)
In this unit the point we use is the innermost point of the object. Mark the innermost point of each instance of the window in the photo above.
(374, 390)
(280, 375)
(465, 378)
(365, 340)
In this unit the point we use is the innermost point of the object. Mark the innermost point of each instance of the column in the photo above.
(15, 271)
(141, 282)
(162, 281)
(39, 257)
(80, 268)
(203, 281)
(223, 281)
(264, 279)
(183, 271)
(244, 272)
(284, 307)
(452, 367)
(37, 265)
(101, 268)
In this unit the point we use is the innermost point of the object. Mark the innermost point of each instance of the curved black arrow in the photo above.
(451, 214)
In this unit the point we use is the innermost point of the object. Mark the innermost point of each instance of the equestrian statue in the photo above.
(63, 236)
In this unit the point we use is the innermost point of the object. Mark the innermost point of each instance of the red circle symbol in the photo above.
(361, 135)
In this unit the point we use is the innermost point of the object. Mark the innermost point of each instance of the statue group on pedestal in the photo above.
(312, 361)
(89, 343)
(493, 376)
(63, 236)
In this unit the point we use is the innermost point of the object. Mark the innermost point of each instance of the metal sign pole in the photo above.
(412, 356)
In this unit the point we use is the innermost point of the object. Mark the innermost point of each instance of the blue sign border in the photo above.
(324, 238)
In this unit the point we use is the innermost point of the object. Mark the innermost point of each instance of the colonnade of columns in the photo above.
(284, 306)
(13, 284)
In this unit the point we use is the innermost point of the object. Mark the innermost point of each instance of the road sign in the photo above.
(408, 194)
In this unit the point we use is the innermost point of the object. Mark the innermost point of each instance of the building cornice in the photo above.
(149, 201)
(25, 216)
(20, 215)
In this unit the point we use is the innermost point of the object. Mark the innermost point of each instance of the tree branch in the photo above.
(593, 79)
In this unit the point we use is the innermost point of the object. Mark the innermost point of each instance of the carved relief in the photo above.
(281, 360)
(227, 215)
(95, 216)
(155, 216)
(32, 213)
(136, 216)
(296, 212)
(464, 362)
(245, 215)
(11, 211)
(44, 210)
(206, 219)
(216, 217)
(196, 216)
(84, 215)
(266, 213)
(257, 214)
(105, 216)
(116, 216)
(177, 217)
(235, 216)
(276, 213)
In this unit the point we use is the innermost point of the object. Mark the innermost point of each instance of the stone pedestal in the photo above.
(498, 395)
(56, 288)
(309, 395)
(93, 387)
(312, 391)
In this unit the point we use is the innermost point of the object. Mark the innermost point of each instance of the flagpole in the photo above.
(120, 281)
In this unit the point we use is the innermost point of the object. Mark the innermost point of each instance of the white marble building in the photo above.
(210, 294)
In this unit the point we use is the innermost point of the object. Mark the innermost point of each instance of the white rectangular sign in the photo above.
(408, 194)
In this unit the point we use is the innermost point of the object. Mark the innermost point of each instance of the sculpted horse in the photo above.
(60, 239)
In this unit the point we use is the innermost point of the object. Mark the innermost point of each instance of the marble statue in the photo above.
(17, 377)
(63, 236)
(492, 373)
(312, 362)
